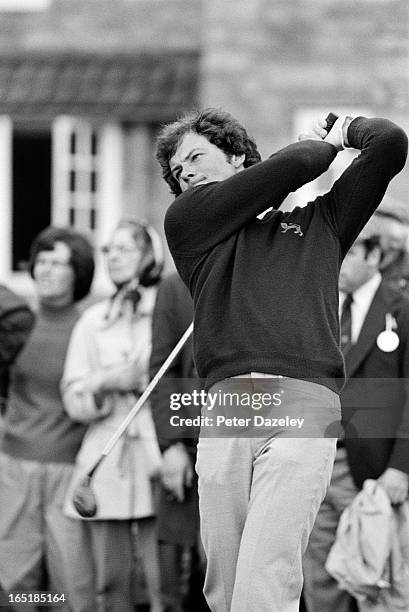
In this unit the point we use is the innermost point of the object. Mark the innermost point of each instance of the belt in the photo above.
(258, 375)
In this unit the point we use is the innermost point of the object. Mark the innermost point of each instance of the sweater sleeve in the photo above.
(358, 192)
(79, 362)
(206, 215)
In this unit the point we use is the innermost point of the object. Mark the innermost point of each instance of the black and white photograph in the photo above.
(204, 305)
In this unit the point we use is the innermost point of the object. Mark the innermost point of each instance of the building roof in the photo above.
(143, 86)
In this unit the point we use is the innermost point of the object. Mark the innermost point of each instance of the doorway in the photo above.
(31, 191)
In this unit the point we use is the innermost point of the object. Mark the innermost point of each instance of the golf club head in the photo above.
(84, 499)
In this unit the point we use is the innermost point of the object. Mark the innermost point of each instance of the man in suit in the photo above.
(392, 218)
(375, 402)
(178, 513)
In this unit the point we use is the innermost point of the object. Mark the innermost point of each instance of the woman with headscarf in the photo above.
(106, 370)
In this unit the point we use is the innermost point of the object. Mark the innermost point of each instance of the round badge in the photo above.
(387, 341)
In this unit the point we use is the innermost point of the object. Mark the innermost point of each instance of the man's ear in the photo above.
(375, 256)
(238, 160)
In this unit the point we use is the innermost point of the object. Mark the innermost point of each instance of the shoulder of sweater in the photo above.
(173, 286)
(187, 197)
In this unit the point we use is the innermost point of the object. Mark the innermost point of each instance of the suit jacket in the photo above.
(177, 522)
(172, 315)
(375, 399)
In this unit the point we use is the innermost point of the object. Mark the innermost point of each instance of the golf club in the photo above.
(330, 119)
(83, 498)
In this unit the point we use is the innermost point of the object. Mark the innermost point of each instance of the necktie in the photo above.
(346, 334)
(346, 323)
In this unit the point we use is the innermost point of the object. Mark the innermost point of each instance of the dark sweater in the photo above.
(16, 322)
(36, 426)
(265, 296)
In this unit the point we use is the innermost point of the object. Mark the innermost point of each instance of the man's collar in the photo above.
(367, 290)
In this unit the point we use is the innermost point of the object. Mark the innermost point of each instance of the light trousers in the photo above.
(259, 497)
(35, 533)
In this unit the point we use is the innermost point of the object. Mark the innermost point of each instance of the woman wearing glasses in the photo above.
(106, 370)
(40, 441)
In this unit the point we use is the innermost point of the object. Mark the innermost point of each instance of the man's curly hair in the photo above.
(219, 127)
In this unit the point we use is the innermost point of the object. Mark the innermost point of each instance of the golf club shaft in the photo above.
(134, 411)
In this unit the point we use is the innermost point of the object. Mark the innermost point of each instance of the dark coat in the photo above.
(177, 522)
(16, 322)
(172, 315)
(375, 399)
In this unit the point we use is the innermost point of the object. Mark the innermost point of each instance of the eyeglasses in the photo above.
(121, 249)
(52, 263)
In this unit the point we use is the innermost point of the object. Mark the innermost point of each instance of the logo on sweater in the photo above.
(293, 226)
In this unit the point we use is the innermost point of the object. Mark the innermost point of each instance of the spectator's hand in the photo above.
(78, 388)
(176, 471)
(122, 377)
(395, 484)
(85, 394)
(92, 383)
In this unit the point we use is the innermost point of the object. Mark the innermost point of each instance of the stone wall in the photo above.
(104, 26)
(266, 60)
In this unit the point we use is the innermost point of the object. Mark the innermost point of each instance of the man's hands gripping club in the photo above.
(337, 135)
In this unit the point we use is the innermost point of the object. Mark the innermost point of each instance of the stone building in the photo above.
(84, 85)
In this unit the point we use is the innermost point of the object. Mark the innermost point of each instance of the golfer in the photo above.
(265, 295)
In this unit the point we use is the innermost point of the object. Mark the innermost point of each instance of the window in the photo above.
(6, 138)
(31, 190)
(77, 174)
(87, 178)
